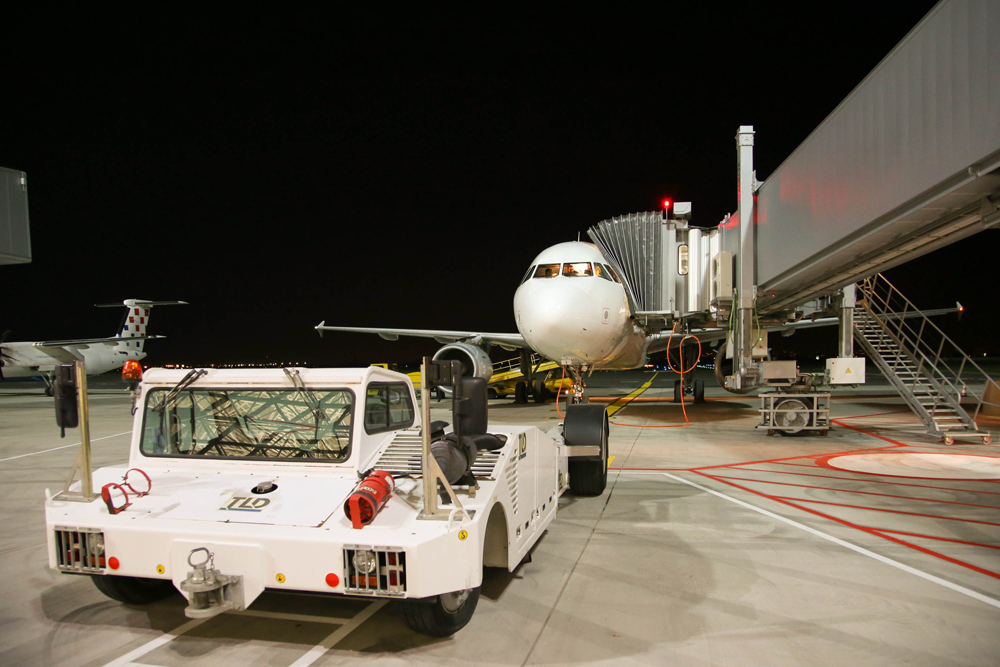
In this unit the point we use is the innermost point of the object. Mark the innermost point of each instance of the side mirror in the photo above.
(67, 413)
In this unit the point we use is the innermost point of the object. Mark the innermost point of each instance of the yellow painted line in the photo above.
(610, 459)
(615, 407)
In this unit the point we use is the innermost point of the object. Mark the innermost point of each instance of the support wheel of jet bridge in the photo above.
(587, 425)
(443, 615)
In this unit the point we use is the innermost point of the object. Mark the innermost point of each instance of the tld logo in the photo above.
(245, 504)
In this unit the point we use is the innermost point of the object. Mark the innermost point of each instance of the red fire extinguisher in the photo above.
(369, 498)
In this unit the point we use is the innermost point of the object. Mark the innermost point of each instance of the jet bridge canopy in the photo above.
(907, 163)
(15, 239)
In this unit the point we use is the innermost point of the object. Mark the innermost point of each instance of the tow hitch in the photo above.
(211, 592)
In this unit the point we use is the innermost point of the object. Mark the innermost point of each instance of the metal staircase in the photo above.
(929, 371)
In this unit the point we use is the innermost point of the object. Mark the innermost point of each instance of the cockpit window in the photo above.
(527, 275)
(547, 271)
(577, 269)
(602, 272)
(614, 275)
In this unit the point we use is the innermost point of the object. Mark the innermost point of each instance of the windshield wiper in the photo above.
(307, 394)
(172, 395)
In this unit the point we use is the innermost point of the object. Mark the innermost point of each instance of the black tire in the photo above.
(520, 392)
(540, 392)
(134, 590)
(699, 391)
(491, 393)
(443, 617)
(678, 391)
(587, 425)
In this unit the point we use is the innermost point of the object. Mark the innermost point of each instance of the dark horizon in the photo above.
(398, 175)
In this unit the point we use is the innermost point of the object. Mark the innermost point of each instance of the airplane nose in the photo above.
(557, 320)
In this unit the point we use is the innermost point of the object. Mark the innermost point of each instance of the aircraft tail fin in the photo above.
(135, 323)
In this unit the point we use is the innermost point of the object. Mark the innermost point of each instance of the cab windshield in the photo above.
(260, 424)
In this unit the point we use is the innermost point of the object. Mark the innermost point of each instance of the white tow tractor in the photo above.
(319, 480)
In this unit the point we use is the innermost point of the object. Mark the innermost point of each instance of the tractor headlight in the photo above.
(95, 544)
(365, 562)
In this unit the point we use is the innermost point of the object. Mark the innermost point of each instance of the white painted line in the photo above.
(302, 618)
(127, 659)
(853, 547)
(75, 444)
(317, 651)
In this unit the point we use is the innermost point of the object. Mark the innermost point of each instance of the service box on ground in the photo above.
(846, 370)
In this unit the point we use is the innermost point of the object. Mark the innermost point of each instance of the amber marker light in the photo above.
(131, 371)
(332, 580)
(113, 563)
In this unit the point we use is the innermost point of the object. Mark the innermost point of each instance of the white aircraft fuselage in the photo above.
(27, 360)
(572, 309)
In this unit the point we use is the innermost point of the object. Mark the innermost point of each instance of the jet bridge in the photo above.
(909, 162)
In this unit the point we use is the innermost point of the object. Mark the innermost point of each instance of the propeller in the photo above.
(3, 352)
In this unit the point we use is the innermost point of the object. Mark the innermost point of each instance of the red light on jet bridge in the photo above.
(666, 203)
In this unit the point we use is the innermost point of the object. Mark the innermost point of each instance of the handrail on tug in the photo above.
(929, 343)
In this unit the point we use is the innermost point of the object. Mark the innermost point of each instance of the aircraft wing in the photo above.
(87, 342)
(505, 340)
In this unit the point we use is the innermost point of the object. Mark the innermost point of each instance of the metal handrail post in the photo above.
(86, 476)
(430, 481)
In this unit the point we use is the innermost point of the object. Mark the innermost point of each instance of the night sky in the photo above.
(396, 172)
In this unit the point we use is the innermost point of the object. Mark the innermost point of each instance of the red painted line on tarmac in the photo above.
(877, 414)
(871, 481)
(933, 537)
(747, 463)
(797, 465)
(865, 529)
(880, 509)
(874, 435)
(866, 493)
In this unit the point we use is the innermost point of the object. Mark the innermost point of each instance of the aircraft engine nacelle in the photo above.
(475, 360)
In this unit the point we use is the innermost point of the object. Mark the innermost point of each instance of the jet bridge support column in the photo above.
(847, 303)
(744, 342)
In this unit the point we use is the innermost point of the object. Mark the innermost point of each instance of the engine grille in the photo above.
(402, 457)
(80, 550)
(388, 578)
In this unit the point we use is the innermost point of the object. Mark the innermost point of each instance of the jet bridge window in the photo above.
(262, 424)
(547, 271)
(577, 269)
(388, 407)
(682, 259)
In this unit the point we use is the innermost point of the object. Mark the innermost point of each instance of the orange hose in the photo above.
(680, 372)
(559, 391)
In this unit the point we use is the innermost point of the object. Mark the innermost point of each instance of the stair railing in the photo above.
(937, 356)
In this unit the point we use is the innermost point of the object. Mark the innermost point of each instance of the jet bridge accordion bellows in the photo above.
(634, 245)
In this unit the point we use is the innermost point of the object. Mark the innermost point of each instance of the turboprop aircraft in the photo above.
(100, 355)
(571, 308)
